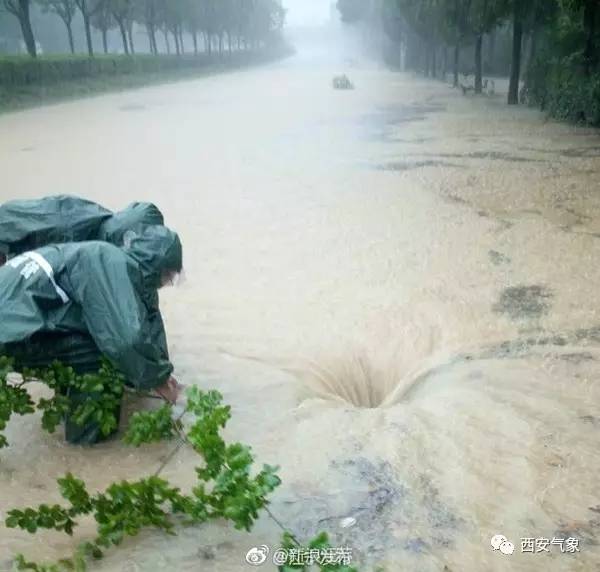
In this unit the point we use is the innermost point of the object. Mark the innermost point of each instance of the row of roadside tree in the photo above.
(216, 24)
(562, 71)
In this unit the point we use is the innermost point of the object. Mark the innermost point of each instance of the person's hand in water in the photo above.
(170, 390)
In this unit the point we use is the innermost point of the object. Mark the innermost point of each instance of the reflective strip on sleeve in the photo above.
(45, 266)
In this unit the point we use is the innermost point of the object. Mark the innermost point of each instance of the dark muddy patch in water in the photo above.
(503, 224)
(525, 346)
(383, 511)
(457, 200)
(591, 419)
(571, 230)
(399, 166)
(577, 357)
(585, 531)
(492, 155)
(381, 122)
(524, 302)
(497, 258)
(588, 335)
(587, 152)
(581, 152)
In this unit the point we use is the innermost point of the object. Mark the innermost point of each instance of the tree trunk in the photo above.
(149, 34)
(153, 38)
(88, 28)
(478, 64)
(167, 44)
(195, 39)
(456, 60)
(130, 37)
(88, 36)
(532, 50)
(177, 48)
(434, 62)
(445, 63)
(124, 37)
(26, 29)
(70, 35)
(515, 68)
(589, 24)
(105, 40)
(181, 44)
(492, 51)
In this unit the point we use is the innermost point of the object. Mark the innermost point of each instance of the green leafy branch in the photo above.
(99, 395)
(227, 487)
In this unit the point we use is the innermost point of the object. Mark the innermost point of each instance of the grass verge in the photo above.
(16, 96)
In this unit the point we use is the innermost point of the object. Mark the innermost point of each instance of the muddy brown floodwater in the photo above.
(396, 288)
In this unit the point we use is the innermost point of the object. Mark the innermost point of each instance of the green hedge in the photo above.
(20, 71)
(561, 89)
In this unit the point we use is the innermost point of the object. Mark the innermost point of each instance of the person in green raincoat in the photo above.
(80, 302)
(29, 224)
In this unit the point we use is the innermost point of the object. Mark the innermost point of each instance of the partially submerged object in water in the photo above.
(342, 82)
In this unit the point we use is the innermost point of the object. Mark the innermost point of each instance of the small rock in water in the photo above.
(347, 522)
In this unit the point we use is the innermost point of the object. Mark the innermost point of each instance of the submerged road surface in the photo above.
(396, 289)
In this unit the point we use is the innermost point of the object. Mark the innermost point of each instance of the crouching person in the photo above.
(80, 302)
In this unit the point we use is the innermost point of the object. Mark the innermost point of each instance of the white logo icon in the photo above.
(257, 555)
(501, 543)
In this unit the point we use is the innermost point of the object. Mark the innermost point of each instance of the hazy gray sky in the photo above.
(302, 12)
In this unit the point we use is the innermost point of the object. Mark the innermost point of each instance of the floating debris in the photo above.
(342, 82)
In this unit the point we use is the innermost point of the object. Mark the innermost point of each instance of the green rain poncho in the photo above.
(29, 224)
(76, 302)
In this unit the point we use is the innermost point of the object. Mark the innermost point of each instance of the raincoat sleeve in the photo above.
(107, 286)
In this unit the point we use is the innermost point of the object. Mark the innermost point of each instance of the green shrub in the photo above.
(561, 89)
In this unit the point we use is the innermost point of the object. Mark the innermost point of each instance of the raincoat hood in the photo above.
(133, 217)
(156, 249)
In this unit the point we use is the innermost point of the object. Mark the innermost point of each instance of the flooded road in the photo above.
(396, 289)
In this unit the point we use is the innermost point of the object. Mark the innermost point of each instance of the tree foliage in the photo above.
(235, 23)
(65, 10)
